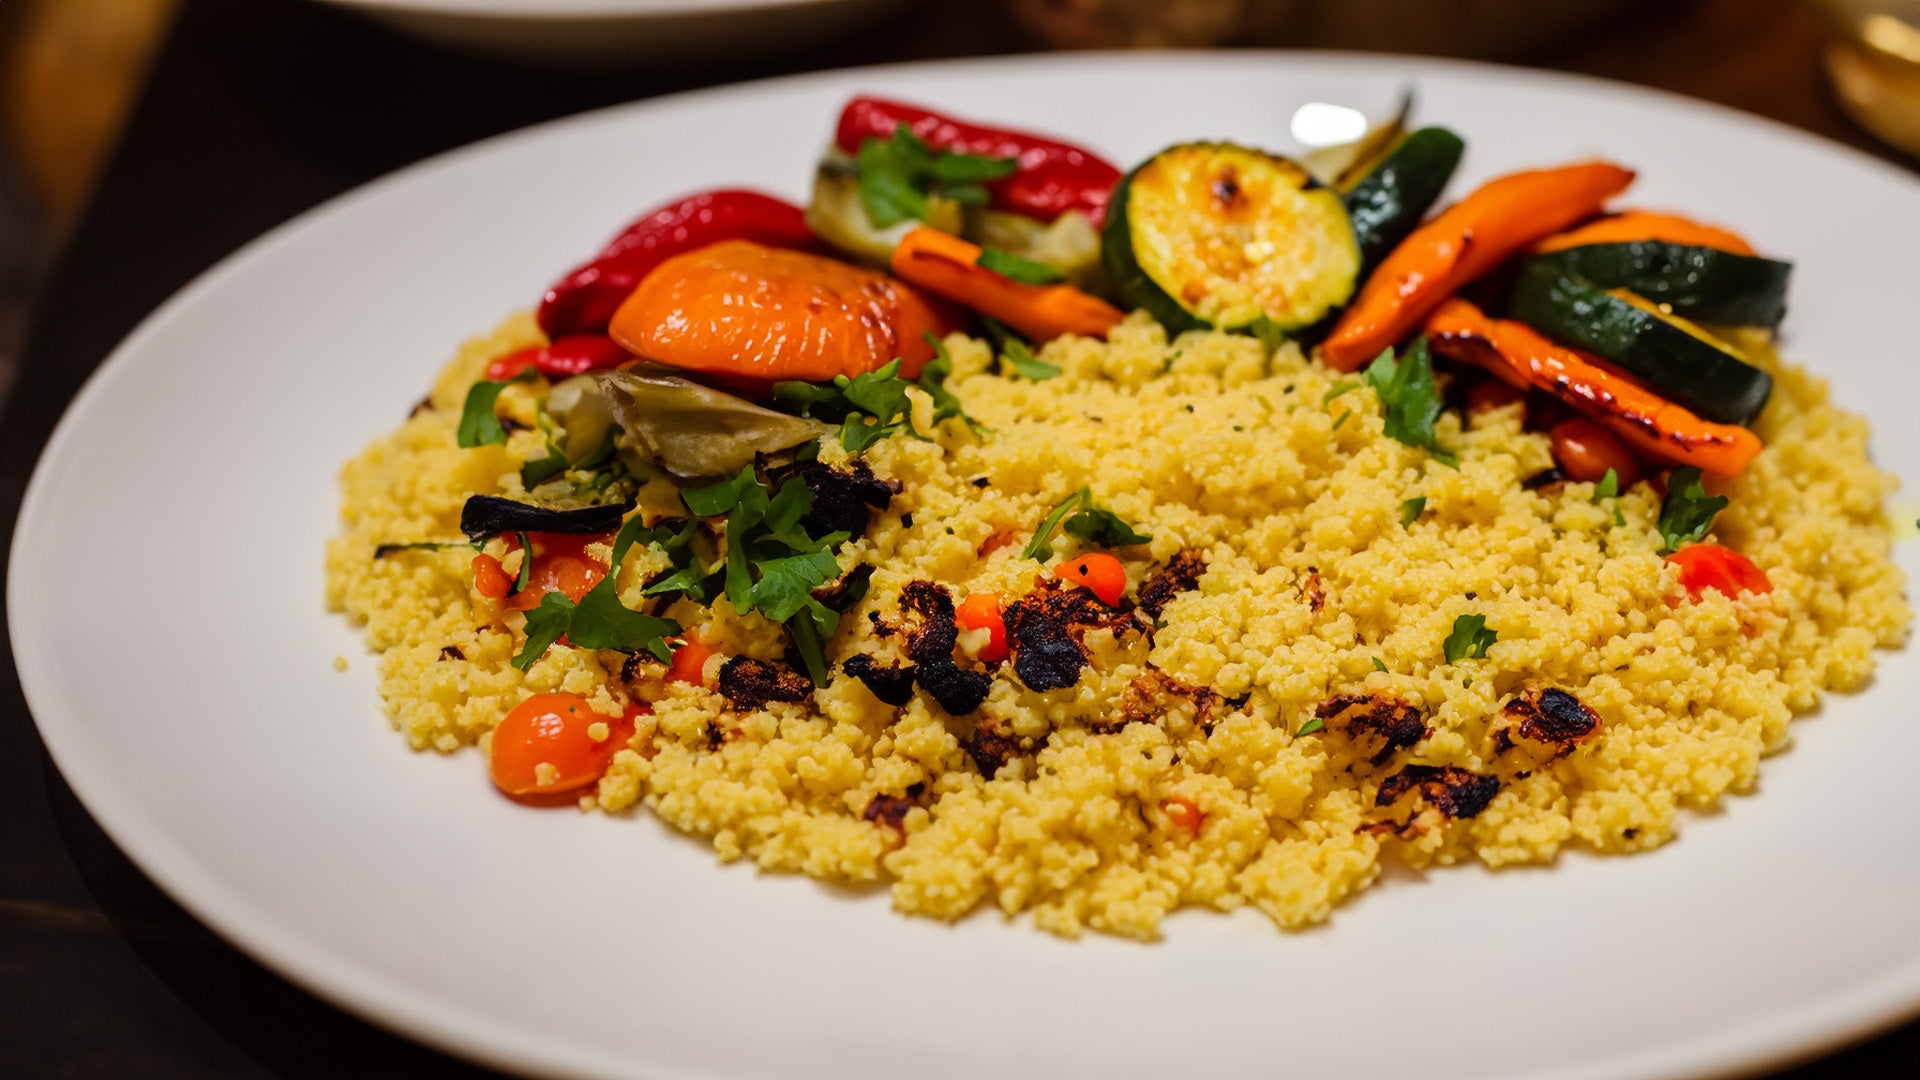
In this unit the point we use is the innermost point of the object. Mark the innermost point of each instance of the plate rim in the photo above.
(1809, 1031)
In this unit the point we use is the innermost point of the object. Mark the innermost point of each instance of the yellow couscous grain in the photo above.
(1313, 592)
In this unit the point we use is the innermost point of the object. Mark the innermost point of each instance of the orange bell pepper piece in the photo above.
(1629, 226)
(1468, 239)
(945, 265)
(755, 314)
(1649, 423)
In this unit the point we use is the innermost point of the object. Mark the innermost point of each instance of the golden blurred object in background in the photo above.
(1875, 66)
(71, 71)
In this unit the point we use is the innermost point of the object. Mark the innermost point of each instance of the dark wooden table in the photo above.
(258, 109)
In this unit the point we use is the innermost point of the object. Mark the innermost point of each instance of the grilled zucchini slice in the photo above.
(1698, 282)
(1388, 201)
(1668, 353)
(1224, 236)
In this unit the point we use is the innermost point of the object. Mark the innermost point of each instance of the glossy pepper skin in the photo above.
(584, 300)
(1054, 177)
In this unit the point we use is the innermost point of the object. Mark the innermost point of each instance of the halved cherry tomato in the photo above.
(1710, 566)
(546, 744)
(489, 579)
(1585, 451)
(1184, 813)
(560, 564)
(689, 663)
(981, 611)
(1098, 571)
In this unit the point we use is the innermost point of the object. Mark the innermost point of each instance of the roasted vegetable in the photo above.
(1217, 235)
(691, 431)
(1069, 243)
(949, 267)
(1702, 283)
(489, 515)
(1388, 201)
(748, 312)
(1668, 353)
(1467, 240)
(1631, 225)
(1653, 426)
(839, 217)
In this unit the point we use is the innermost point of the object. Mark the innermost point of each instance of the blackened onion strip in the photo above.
(489, 515)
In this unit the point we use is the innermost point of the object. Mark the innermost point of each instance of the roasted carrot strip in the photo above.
(1628, 226)
(1467, 240)
(747, 312)
(945, 265)
(1649, 423)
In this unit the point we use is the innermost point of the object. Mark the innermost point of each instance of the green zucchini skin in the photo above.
(1277, 201)
(1680, 362)
(1389, 202)
(1698, 282)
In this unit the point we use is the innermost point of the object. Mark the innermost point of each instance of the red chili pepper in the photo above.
(1054, 177)
(584, 301)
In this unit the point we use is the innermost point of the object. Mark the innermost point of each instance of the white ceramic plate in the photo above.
(167, 622)
(617, 31)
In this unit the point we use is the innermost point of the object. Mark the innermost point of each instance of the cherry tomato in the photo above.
(546, 745)
(560, 564)
(514, 363)
(1585, 450)
(1097, 571)
(1490, 394)
(689, 663)
(1710, 566)
(489, 579)
(1184, 813)
(981, 611)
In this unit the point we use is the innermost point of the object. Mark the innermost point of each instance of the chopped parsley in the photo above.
(1469, 640)
(933, 382)
(898, 175)
(1016, 268)
(1085, 519)
(479, 426)
(1379, 664)
(1410, 398)
(1339, 388)
(1688, 511)
(1269, 333)
(1608, 487)
(874, 404)
(1341, 419)
(1411, 510)
(526, 562)
(598, 621)
(1311, 726)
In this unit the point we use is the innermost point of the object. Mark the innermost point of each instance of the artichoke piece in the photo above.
(1069, 243)
(689, 430)
(838, 217)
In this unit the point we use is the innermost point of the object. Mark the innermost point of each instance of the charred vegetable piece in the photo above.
(1465, 241)
(1388, 202)
(1629, 226)
(1645, 421)
(1217, 235)
(1695, 282)
(489, 515)
(838, 214)
(1668, 353)
(745, 311)
(950, 267)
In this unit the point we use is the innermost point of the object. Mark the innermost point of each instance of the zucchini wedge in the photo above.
(1698, 282)
(1666, 352)
(1218, 235)
(1388, 202)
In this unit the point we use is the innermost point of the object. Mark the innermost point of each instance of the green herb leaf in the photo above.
(1015, 268)
(384, 550)
(1022, 360)
(933, 382)
(717, 499)
(1409, 397)
(526, 562)
(1608, 487)
(897, 175)
(1469, 640)
(1411, 510)
(478, 424)
(1379, 664)
(1310, 727)
(1085, 519)
(539, 471)
(545, 625)
(1688, 511)
(1339, 388)
(601, 621)
(1341, 419)
(1270, 335)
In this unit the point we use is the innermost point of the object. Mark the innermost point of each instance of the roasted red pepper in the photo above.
(1054, 177)
(584, 300)
(575, 354)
